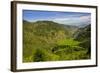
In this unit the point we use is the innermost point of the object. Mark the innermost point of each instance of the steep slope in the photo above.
(84, 35)
(51, 41)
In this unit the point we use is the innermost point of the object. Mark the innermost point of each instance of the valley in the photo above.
(51, 41)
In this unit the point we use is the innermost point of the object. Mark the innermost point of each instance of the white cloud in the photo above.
(85, 17)
(74, 20)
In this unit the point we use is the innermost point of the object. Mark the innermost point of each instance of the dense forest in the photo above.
(51, 41)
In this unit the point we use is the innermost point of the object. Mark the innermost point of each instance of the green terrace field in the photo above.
(50, 41)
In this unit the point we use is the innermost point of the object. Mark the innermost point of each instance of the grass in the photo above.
(66, 49)
(69, 42)
(51, 43)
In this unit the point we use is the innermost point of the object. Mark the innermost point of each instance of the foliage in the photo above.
(50, 41)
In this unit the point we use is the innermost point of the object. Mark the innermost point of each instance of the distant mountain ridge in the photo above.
(50, 22)
(54, 25)
(73, 30)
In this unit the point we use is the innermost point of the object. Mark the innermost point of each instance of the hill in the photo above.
(51, 41)
(83, 35)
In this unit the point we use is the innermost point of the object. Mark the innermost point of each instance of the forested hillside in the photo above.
(51, 41)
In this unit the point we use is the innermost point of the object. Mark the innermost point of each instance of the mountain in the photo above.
(82, 25)
(83, 35)
(50, 27)
(51, 41)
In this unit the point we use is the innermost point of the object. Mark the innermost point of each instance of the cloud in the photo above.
(70, 18)
(74, 20)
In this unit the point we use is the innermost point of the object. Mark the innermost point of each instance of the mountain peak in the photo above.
(46, 22)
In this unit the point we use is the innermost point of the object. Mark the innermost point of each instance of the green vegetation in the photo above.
(50, 41)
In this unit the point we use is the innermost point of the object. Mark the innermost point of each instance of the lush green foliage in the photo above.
(50, 41)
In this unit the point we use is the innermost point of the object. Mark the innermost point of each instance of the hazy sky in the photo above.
(68, 18)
